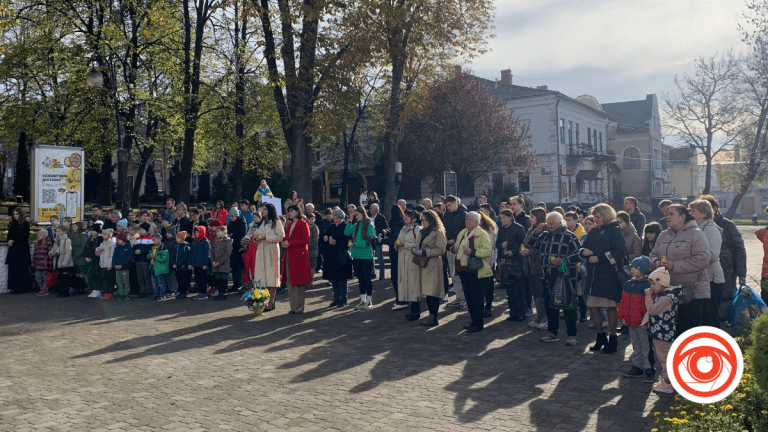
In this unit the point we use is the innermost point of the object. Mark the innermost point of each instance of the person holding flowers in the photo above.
(267, 262)
(408, 274)
(296, 271)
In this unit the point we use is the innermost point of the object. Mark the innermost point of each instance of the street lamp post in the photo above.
(95, 79)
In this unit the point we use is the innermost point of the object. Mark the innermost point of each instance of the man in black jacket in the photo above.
(635, 216)
(663, 206)
(453, 220)
(380, 225)
(516, 205)
(511, 236)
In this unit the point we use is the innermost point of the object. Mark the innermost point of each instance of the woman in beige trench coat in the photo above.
(269, 234)
(430, 248)
(408, 277)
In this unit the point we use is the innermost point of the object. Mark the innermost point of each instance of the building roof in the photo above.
(589, 175)
(635, 114)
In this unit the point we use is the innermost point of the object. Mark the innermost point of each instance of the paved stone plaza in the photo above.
(81, 364)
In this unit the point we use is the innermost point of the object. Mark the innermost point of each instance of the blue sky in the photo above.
(614, 50)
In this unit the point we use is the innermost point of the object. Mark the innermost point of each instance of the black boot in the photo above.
(612, 345)
(599, 342)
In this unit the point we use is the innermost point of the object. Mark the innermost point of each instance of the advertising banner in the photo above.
(57, 183)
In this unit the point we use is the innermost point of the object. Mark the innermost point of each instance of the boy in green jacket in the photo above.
(158, 263)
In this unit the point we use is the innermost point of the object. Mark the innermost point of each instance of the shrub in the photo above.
(758, 351)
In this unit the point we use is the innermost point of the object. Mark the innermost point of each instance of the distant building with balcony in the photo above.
(635, 137)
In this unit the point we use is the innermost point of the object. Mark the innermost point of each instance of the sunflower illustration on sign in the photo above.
(73, 179)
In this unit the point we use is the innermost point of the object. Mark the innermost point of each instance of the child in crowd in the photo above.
(662, 315)
(314, 236)
(141, 250)
(262, 190)
(121, 262)
(52, 229)
(79, 241)
(631, 312)
(62, 250)
(67, 223)
(133, 233)
(158, 260)
(182, 260)
(169, 241)
(122, 226)
(249, 255)
(42, 263)
(201, 250)
(221, 251)
(105, 252)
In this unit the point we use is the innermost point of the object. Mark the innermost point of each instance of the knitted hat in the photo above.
(123, 223)
(339, 213)
(642, 263)
(96, 227)
(660, 275)
(145, 226)
(167, 217)
(123, 237)
(171, 230)
(234, 212)
(182, 235)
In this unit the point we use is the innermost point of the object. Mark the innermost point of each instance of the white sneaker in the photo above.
(454, 303)
(549, 338)
(528, 312)
(463, 305)
(399, 306)
(571, 342)
(94, 294)
(368, 306)
(591, 324)
(360, 306)
(543, 326)
(533, 324)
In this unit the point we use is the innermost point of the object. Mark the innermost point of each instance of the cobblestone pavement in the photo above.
(100, 365)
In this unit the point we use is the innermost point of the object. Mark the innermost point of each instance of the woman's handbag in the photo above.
(474, 263)
(420, 261)
(509, 269)
(51, 281)
(563, 293)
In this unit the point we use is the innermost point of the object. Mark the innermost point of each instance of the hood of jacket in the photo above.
(629, 229)
(199, 233)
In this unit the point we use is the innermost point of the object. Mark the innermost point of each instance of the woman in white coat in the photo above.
(269, 234)
(702, 213)
(408, 276)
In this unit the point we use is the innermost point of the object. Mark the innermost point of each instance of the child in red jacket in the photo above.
(631, 312)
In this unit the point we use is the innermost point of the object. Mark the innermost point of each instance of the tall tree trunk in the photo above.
(145, 156)
(345, 173)
(106, 180)
(391, 134)
(707, 174)
(21, 182)
(240, 36)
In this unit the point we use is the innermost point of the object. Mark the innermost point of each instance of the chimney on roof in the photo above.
(506, 76)
(542, 87)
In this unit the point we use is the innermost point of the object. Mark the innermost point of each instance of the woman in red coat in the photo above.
(296, 272)
(249, 257)
(220, 213)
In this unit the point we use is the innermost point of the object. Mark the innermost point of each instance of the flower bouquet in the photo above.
(256, 298)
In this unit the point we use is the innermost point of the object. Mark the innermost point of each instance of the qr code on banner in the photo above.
(49, 196)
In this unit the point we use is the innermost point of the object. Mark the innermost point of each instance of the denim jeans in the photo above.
(158, 285)
(379, 252)
(339, 290)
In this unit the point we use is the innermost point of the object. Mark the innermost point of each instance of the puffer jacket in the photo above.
(715, 239)
(632, 242)
(632, 308)
(733, 255)
(602, 279)
(688, 249)
(105, 251)
(62, 249)
(454, 222)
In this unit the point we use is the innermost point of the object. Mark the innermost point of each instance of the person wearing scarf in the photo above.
(476, 243)
(431, 246)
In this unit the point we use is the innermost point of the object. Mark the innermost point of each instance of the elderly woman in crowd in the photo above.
(556, 246)
(473, 251)
(489, 226)
(684, 251)
(605, 251)
(267, 262)
(532, 268)
(632, 241)
(337, 263)
(428, 252)
(408, 273)
(702, 213)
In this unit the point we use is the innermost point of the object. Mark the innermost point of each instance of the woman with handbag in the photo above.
(396, 224)
(489, 226)
(267, 263)
(19, 258)
(559, 253)
(337, 264)
(511, 237)
(428, 257)
(473, 251)
(532, 268)
(604, 250)
(408, 272)
(362, 234)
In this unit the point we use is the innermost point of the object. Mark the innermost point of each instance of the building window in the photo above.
(656, 159)
(601, 142)
(594, 137)
(577, 135)
(589, 137)
(524, 182)
(631, 158)
(497, 180)
(599, 186)
(570, 137)
(562, 131)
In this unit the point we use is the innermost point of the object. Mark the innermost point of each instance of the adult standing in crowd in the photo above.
(18, 259)
(431, 249)
(663, 206)
(97, 212)
(632, 242)
(532, 267)
(556, 246)
(314, 241)
(296, 271)
(702, 213)
(472, 243)
(489, 226)
(516, 204)
(454, 222)
(170, 206)
(635, 215)
(337, 264)
(219, 213)
(363, 197)
(483, 200)
(380, 226)
(684, 251)
(373, 198)
(408, 273)
(322, 225)
(733, 257)
(396, 225)
(236, 230)
(511, 275)
(426, 203)
(182, 222)
(267, 268)
(293, 200)
(361, 231)
(605, 251)
(651, 234)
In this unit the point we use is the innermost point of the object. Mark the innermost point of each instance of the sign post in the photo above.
(57, 183)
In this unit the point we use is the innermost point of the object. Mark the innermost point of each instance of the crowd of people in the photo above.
(611, 269)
